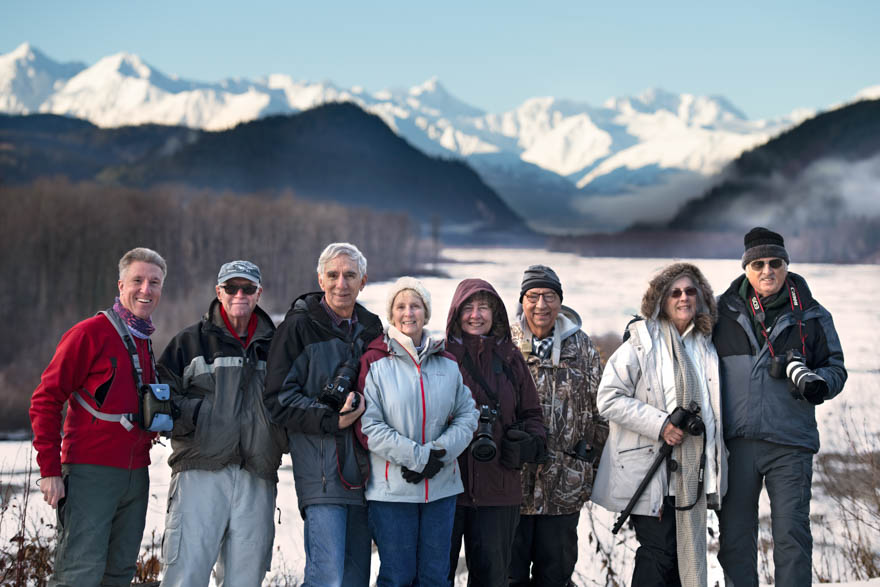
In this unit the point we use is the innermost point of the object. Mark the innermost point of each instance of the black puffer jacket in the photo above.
(305, 354)
(210, 371)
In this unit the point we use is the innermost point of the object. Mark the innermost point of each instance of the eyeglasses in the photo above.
(688, 291)
(759, 264)
(249, 289)
(550, 297)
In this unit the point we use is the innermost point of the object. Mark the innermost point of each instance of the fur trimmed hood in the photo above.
(707, 311)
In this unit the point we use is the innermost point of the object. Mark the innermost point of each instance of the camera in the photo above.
(157, 411)
(688, 419)
(483, 447)
(336, 391)
(806, 384)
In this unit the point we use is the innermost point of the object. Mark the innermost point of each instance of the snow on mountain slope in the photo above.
(563, 150)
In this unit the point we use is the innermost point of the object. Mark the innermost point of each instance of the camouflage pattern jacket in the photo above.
(567, 382)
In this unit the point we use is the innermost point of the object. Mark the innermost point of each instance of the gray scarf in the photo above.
(690, 525)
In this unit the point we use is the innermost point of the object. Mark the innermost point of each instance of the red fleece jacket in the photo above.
(84, 361)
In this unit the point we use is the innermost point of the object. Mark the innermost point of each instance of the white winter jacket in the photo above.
(415, 402)
(631, 397)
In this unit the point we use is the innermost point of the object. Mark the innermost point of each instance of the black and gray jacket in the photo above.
(754, 404)
(305, 354)
(212, 375)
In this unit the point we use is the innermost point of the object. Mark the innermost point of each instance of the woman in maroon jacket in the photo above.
(487, 513)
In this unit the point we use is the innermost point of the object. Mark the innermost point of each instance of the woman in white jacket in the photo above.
(419, 417)
(666, 361)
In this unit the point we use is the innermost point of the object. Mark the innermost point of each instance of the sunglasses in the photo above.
(759, 264)
(688, 291)
(249, 289)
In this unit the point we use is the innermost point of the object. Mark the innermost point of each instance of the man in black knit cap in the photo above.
(779, 357)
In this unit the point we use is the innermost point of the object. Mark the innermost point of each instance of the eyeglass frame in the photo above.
(689, 291)
(534, 297)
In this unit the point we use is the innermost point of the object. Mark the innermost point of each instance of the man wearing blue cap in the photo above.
(226, 452)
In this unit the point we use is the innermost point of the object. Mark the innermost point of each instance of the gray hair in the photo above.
(333, 250)
(143, 255)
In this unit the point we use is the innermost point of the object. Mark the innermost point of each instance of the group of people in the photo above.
(493, 435)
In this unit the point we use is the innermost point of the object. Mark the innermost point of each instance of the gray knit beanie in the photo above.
(540, 276)
(761, 243)
(416, 286)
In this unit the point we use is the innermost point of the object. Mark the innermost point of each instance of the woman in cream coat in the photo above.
(666, 360)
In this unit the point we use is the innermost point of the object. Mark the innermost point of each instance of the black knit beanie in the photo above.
(540, 276)
(761, 243)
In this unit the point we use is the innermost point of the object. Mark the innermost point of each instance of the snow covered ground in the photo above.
(605, 292)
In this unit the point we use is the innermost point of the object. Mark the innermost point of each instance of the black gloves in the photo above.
(815, 392)
(517, 447)
(411, 476)
(434, 463)
(432, 468)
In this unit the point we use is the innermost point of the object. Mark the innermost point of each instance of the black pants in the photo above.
(656, 558)
(547, 544)
(488, 537)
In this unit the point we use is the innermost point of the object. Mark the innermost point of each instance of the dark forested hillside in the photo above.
(336, 152)
(816, 174)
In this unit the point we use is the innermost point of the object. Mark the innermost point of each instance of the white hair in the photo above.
(333, 250)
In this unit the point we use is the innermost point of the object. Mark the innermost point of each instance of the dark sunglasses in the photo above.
(688, 291)
(249, 289)
(759, 264)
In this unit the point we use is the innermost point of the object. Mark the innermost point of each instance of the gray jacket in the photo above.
(756, 405)
(416, 402)
(214, 376)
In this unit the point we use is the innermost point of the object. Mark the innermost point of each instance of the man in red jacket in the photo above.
(96, 475)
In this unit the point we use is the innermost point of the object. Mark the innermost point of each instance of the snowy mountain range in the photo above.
(563, 165)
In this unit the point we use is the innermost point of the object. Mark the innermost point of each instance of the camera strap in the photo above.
(794, 300)
(125, 420)
(702, 476)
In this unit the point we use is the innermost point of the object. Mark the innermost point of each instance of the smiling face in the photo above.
(475, 316)
(408, 314)
(140, 288)
(767, 280)
(240, 305)
(341, 284)
(541, 307)
(681, 310)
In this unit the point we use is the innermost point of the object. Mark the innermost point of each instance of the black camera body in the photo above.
(805, 383)
(688, 419)
(337, 389)
(483, 447)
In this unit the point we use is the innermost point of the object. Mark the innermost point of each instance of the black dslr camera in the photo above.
(483, 447)
(805, 383)
(336, 391)
(688, 419)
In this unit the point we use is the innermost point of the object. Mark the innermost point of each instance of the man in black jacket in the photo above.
(313, 365)
(779, 357)
(226, 451)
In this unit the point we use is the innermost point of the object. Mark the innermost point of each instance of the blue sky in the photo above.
(766, 57)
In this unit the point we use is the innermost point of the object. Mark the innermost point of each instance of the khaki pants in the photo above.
(222, 517)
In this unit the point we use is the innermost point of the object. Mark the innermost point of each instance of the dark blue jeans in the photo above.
(337, 544)
(413, 541)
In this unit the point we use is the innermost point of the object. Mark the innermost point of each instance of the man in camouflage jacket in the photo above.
(567, 370)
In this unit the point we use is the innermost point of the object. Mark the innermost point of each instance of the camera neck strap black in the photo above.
(128, 341)
(794, 300)
(468, 362)
(701, 478)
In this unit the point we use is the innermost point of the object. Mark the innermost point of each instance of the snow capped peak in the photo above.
(869, 93)
(28, 77)
(126, 64)
(23, 51)
(433, 98)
